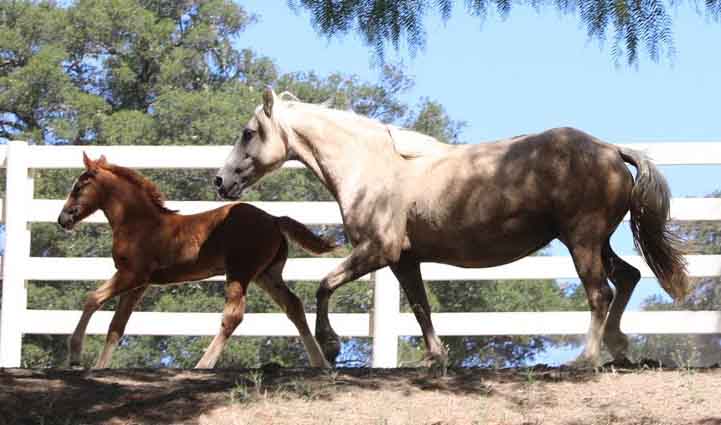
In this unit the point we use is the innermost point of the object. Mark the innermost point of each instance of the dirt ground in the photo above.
(362, 396)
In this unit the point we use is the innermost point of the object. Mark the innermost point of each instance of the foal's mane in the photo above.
(141, 182)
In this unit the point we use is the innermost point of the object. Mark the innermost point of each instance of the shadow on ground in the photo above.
(59, 396)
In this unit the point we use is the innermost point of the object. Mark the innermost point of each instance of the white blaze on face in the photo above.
(74, 186)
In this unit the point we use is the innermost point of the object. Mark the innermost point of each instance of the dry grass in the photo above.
(362, 396)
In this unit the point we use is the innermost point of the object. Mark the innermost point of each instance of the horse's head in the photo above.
(262, 148)
(86, 195)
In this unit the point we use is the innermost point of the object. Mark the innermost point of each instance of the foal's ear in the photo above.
(101, 161)
(89, 163)
(268, 99)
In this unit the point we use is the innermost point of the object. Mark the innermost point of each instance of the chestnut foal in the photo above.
(154, 245)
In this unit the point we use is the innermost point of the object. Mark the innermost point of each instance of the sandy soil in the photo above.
(361, 396)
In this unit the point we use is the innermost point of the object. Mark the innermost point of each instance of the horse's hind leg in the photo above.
(408, 272)
(235, 290)
(624, 277)
(272, 282)
(127, 302)
(589, 265)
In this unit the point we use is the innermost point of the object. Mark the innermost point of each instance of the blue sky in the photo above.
(533, 71)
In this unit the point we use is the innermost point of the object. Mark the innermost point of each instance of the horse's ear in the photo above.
(89, 163)
(268, 99)
(102, 161)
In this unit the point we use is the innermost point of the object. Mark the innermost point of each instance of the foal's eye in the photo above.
(247, 135)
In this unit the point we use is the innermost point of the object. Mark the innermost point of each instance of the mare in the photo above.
(406, 198)
(154, 245)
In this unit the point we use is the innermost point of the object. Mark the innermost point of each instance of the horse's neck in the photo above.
(344, 161)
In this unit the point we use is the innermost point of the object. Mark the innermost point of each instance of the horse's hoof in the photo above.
(620, 363)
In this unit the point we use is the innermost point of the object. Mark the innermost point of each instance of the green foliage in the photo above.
(635, 25)
(140, 72)
(432, 119)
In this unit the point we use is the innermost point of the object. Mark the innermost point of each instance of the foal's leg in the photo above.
(235, 290)
(127, 302)
(362, 260)
(272, 282)
(122, 281)
(408, 272)
(589, 265)
(624, 277)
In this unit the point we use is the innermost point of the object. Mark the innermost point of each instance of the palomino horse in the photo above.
(154, 245)
(406, 198)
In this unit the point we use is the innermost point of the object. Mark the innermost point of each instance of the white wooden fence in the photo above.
(385, 323)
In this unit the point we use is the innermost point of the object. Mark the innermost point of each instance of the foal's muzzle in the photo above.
(66, 219)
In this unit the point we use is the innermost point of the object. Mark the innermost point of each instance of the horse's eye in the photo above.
(247, 135)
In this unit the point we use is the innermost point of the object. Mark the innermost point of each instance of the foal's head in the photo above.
(263, 147)
(86, 195)
(100, 183)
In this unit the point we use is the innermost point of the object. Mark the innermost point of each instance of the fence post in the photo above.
(18, 192)
(386, 308)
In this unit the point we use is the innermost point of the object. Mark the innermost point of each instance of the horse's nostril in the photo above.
(237, 170)
(218, 181)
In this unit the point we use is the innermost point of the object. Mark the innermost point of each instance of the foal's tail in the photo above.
(303, 236)
(650, 200)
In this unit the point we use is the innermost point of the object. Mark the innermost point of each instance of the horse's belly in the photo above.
(483, 244)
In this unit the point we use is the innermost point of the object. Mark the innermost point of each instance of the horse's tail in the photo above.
(650, 205)
(304, 236)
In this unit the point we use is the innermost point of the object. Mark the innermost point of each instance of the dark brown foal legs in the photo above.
(272, 282)
(125, 307)
(121, 282)
(233, 312)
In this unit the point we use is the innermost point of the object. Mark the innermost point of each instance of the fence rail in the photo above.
(385, 323)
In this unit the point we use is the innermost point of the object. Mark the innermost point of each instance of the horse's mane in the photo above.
(406, 142)
(133, 177)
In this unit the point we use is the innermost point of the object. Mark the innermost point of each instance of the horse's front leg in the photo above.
(408, 272)
(128, 301)
(362, 260)
(121, 282)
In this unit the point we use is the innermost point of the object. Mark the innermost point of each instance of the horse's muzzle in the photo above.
(232, 192)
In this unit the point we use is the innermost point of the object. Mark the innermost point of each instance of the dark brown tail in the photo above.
(303, 236)
(650, 204)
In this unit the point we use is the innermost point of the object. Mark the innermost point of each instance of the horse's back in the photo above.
(511, 197)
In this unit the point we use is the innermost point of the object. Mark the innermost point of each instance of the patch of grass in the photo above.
(242, 392)
(239, 393)
(530, 375)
